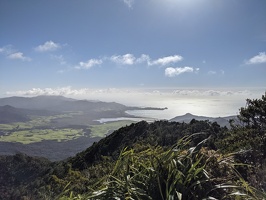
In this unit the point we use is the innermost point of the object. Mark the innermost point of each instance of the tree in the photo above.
(250, 137)
(254, 114)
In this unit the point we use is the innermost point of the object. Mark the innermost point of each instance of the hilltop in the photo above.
(56, 127)
(222, 121)
(159, 160)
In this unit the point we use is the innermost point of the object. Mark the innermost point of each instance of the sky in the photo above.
(69, 47)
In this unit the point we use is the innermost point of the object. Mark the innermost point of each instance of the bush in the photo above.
(176, 173)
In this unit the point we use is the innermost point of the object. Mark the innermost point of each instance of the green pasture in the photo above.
(37, 135)
(6, 127)
(35, 122)
(102, 129)
(26, 132)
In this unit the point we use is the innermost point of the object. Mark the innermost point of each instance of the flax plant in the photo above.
(175, 173)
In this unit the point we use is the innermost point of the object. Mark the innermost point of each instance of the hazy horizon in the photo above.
(204, 102)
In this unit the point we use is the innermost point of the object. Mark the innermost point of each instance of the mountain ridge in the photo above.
(222, 121)
(59, 103)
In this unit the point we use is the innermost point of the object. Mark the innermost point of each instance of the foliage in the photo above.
(163, 133)
(103, 129)
(18, 171)
(176, 173)
(38, 135)
(254, 114)
(249, 136)
(161, 160)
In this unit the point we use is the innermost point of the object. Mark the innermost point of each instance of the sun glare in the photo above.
(179, 6)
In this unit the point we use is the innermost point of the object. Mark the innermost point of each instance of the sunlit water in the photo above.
(202, 102)
(211, 107)
(209, 103)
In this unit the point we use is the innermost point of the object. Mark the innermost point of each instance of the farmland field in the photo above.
(42, 128)
(102, 130)
(37, 135)
(57, 127)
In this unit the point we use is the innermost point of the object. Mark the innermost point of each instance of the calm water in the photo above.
(104, 120)
(203, 102)
(211, 107)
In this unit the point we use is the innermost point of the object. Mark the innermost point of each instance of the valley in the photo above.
(42, 135)
(56, 127)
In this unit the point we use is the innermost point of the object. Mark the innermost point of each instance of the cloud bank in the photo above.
(120, 93)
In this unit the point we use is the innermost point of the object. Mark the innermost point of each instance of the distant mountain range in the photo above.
(58, 103)
(57, 112)
(9, 114)
(18, 109)
(222, 121)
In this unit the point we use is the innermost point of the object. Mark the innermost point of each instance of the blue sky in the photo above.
(81, 45)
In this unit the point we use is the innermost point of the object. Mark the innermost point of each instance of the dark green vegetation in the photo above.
(67, 126)
(161, 160)
(222, 121)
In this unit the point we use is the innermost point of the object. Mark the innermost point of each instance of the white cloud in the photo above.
(130, 59)
(195, 100)
(45, 91)
(129, 3)
(13, 54)
(18, 56)
(127, 59)
(143, 58)
(66, 91)
(118, 93)
(8, 49)
(172, 72)
(166, 60)
(89, 64)
(258, 59)
(48, 46)
(208, 92)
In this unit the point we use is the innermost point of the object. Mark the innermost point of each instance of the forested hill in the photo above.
(60, 103)
(29, 175)
(161, 160)
(162, 133)
(10, 114)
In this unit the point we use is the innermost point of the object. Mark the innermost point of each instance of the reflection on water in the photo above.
(104, 120)
(155, 114)
(211, 107)
(202, 102)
